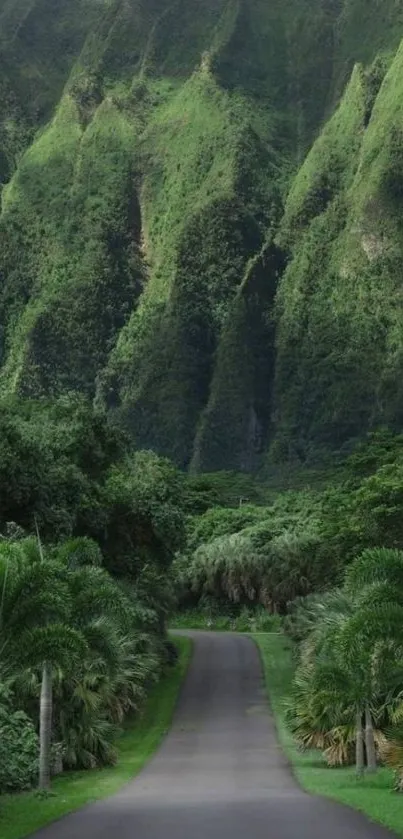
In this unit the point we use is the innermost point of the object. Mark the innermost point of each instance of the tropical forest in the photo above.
(201, 410)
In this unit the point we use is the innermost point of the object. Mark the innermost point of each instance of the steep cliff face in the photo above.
(200, 223)
(339, 302)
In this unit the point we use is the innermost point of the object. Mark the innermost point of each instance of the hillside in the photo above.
(201, 219)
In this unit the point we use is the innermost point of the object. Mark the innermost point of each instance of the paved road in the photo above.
(220, 773)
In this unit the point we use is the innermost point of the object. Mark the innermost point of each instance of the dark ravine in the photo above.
(220, 772)
(200, 221)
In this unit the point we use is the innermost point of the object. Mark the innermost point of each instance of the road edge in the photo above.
(22, 814)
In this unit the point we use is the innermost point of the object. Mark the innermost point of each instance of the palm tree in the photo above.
(326, 705)
(112, 678)
(351, 663)
(35, 630)
(321, 712)
(374, 634)
(376, 565)
(347, 666)
(68, 627)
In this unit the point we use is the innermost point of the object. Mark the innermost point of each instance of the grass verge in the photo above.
(22, 814)
(372, 795)
(247, 620)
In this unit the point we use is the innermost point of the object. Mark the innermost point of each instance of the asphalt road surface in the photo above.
(220, 773)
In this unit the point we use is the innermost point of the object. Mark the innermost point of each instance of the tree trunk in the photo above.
(370, 741)
(45, 727)
(359, 745)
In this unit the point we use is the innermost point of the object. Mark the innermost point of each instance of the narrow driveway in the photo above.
(220, 773)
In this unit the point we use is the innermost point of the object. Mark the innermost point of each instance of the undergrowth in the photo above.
(371, 795)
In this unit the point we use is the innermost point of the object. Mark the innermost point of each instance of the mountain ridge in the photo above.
(172, 189)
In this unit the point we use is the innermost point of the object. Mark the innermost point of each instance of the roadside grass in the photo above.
(372, 795)
(24, 813)
(246, 620)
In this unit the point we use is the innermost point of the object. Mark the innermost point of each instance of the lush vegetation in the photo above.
(201, 249)
(89, 530)
(348, 685)
(326, 564)
(21, 814)
(370, 793)
(338, 315)
(174, 242)
(211, 615)
(273, 546)
(102, 544)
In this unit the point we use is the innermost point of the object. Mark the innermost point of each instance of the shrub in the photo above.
(19, 751)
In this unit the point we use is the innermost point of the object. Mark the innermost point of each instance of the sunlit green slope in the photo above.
(152, 205)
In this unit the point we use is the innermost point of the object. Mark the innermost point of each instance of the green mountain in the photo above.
(201, 219)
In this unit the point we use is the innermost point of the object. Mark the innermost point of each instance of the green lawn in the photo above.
(22, 814)
(246, 620)
(372, 795)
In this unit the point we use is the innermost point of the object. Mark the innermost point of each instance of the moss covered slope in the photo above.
(149, 154)
(339, 304)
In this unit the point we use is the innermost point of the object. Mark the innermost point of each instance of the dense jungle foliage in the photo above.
(88, 531)
(325, 564)
(200, 269)
(102, 546)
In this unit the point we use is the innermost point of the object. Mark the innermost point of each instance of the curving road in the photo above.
(220, 773)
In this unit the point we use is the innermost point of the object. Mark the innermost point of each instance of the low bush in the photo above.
(238, 619)
(19, 750)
